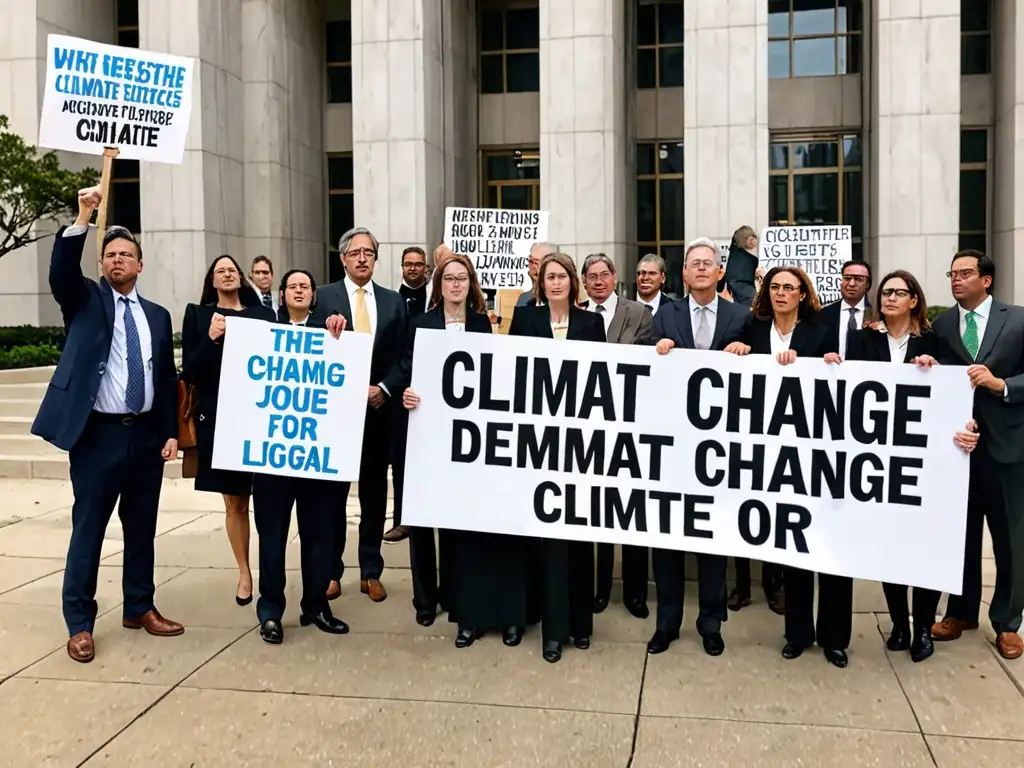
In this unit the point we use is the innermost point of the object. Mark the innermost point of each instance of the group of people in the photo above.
(111, 404)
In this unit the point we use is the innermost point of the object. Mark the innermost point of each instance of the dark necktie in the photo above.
(852, 325)
(268, 302)
(135, 389)
(649, 308)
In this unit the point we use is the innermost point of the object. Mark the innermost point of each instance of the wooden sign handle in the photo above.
(109, 153)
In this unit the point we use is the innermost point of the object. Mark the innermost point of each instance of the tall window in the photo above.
(125, 206)
(510, 51)
(974, 189)
(813, 38)
(817, 180)
(339, 62)
(659, 207)
(512, 180)
(340, 213)
(659, 37)
(975, 37)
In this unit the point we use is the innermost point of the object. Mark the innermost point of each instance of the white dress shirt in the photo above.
(712, 315)
(654, 304)
(844, 321)
(608, 310)
(371, 302)
(114, 382)
(898, 347)
(780, 342)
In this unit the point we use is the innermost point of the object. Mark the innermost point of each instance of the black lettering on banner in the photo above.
(692, 516)
(701, 463)
(834, 476)
(875, 483)
(903, 415)
(522, 377)
(697, 378)
(789, 409)
(859, 431)
(460, 452)
(571, 518)
(624, 457)
(787, 471)
(597, 393)
(539, 508)
(764, 522)
(656, 443)
(754, 403)
(898, 479)
(755, 465)
(546, 390)
(494, 442)
(617, 515)
(827, 409)
(665, 501)
(793, 519)
(579, 455)
(448, 380)
(545, 451)
(631, 373)
(487, 402)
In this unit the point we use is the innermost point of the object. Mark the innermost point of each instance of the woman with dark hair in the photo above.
(225, 294)
(903, 335)
(568, 566)
(273, 497)
(785, 326)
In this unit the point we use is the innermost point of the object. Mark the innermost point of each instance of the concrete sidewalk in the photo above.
(392, 693)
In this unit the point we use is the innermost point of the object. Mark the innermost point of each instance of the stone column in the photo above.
(1008, 167)
(398, 141)
(193, 212)
(725, 118)
(583, 134)
(915, 140)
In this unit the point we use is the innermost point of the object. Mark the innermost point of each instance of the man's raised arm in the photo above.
(67, 283)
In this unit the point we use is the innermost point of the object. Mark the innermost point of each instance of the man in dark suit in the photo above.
(111, 405)
(987, 336)
(650, 279)
(369, 308)
(847, 315)
(625, 322)
(700, 321)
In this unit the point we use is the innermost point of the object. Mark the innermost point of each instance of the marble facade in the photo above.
(1007, 189)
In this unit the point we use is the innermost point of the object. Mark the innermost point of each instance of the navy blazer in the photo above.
(871, 345)
(88, 310)
(810, 338)
(476, 322)
(836, 317)
(674, 322)
(536, 321)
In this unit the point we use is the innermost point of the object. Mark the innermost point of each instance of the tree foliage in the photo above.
(33, 188)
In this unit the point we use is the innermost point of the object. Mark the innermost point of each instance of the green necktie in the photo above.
(971, 335)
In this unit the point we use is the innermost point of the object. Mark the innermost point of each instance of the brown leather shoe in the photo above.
(1010, 645)
(155, 624)
(374, 589)
(397, 534)
(951, 629)
(81, 648)
(333, 590)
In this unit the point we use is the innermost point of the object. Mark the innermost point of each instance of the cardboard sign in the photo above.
(819, 251)
(497, 242)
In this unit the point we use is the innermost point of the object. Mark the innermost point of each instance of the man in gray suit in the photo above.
(537, 253)
(987, 336)
(625, 322)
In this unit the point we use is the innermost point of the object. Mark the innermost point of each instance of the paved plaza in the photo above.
(392, 693)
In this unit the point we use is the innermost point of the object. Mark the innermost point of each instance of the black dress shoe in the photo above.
(714, 645)
(738, 600)
(600, 603)
(777, 602)
(922, 647)
(512, 636)
(272, 632)
(583, 643)
(465, 637)
(792, 650)
(899, 640)
(638, 608)
(425, 618)
(660, 641)
(552, 651)
(325, 622)
(837, 658)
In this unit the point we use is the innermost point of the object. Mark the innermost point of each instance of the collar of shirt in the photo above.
(425, 286)
(303, 321)
(653, 303)
(712, 306)
(132, 296)
(609, 304)
(860, 306)
(351, 287)
(981, 311)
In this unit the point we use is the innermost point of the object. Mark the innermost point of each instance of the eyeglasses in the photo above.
(900, 293)
(855, 278)
(369, 253)
(962, 274)
(460, 279)
(783, 288)
(413, 265)
(594, 276)
(225, 271)
(701, 264)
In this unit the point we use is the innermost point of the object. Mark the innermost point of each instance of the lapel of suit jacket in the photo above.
(951, 330)
(618, 321)
(996, 321)
(803, 333)
(681, 314)
(722, 322)
(107, 293)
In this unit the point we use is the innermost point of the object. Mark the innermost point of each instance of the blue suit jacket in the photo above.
(673, 322)
(88, 310)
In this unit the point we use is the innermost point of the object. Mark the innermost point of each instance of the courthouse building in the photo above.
(638, 124)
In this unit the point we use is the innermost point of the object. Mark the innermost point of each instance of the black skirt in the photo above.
(493, 580)
(216, 480)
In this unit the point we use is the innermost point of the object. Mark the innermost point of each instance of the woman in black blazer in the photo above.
(481, 578)
(225, 294)
(902, 337)
(785, 326)
(567, 591)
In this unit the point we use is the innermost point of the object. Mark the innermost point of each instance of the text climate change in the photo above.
(833, 469)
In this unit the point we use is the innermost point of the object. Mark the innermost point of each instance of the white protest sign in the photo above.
(846, 469)
(292, 400)
(101, 96)
(497, 242)
(820, 251)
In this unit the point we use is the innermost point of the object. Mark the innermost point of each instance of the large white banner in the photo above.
(820, 251)
(99, 96)
(292, 400)
(497, 242)
(847, 469)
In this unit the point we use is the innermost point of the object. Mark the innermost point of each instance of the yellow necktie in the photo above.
(362, 318)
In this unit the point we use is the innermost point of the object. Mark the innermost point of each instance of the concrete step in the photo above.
(15, 425)
(26, 445)
(19, 407)
(54, 467)
(30, 391)
(27, 375)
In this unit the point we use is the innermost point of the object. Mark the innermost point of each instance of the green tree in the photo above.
(33, 188)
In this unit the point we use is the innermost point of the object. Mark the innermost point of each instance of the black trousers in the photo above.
(670, 580)
(926, 604)
(567, 590)
(273, 498)
(432, 568)
(996, 494)
(771, 577)
(373, 498)
(834, 625)
(113, 461)
(634, 572)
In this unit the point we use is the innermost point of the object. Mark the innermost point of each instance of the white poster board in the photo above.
(497, 241)
(846, 469)
(99, 95)
(820, 251)
(292, 400)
